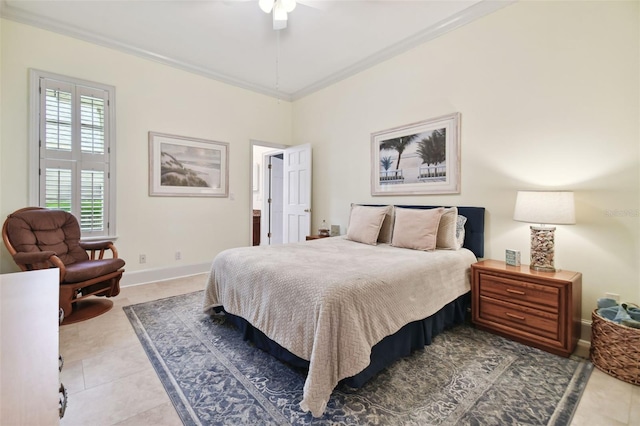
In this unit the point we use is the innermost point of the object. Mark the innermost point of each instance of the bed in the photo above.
(342, 308)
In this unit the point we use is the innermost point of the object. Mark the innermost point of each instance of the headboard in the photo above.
(473, 228)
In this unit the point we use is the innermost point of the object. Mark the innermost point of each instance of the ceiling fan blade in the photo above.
(266, 5)
(288, 5)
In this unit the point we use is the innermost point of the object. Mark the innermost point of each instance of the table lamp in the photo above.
(545, 208)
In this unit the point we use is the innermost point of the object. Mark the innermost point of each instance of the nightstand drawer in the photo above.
(519, 317)
(529, 294)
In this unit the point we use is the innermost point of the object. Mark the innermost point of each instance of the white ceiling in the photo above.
(233, 40)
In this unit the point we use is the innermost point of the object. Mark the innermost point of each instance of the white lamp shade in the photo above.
(545, 207)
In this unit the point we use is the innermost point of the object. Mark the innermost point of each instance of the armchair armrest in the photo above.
(27, 258)
(96, 245)
(102, 245)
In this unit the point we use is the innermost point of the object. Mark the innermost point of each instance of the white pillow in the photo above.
(416, 228)
(460, 233)
(447, 230)
(365, 223)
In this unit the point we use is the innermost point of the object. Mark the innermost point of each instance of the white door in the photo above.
(297, 193)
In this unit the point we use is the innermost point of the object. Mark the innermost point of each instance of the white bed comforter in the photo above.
(329, 301)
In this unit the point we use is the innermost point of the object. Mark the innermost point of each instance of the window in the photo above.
(72, 134)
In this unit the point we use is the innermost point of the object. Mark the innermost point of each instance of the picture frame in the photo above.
(181, 166)
(512, 257)
(421, 158)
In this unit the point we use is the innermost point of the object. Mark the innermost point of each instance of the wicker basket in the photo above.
(615, 349)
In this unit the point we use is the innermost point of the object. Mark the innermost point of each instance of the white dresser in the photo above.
(29, 375)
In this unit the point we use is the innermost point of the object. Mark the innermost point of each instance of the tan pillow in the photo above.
(365, 223)
(387, 225)
(447, 230)
(415, 228)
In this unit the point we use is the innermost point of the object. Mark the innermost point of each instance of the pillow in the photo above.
(365, 223)
(460, 233)
(415, 228)
(447, 230)
(387, 225)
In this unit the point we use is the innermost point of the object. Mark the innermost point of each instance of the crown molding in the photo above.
(48, 24)
(458, 20)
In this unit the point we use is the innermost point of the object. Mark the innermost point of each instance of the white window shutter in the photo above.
(59, 121)
(57, 185)
(92, 120)
(92, 201)
(74, 147)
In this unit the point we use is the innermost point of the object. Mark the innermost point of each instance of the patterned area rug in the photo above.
(466, 377)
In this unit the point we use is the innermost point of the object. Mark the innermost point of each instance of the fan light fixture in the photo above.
(280, 9)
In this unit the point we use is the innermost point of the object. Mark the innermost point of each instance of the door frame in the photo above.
(252, 143)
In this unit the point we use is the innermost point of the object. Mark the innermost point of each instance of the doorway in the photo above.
(281, 183)
(267, 184)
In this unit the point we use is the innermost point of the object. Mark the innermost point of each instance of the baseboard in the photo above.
(162, 274)
(585, 331)
(584, 343)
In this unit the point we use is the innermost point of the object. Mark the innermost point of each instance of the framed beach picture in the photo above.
(417, 159)
(187, 167)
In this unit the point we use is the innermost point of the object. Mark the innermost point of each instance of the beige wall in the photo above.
(149, 97)
(548, 93)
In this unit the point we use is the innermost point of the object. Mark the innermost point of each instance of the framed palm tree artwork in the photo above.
(417, 159)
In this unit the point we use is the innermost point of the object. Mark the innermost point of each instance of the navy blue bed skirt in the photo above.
(412, 336)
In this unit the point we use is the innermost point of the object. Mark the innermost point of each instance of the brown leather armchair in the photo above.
(39, 238)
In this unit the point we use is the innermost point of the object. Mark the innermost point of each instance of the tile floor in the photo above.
(111, 382)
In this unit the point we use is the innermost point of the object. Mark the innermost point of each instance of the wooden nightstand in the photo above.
(541, 309)
(316, 237)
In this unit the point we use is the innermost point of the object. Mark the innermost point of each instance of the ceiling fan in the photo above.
(280, 10)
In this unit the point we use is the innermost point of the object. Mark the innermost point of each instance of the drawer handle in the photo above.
(521, 293)
(64, 399)
(518, 317)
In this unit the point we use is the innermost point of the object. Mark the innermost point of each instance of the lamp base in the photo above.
(542, 268)
(542, 248)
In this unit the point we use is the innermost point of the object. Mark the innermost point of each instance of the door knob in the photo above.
(307, 210)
